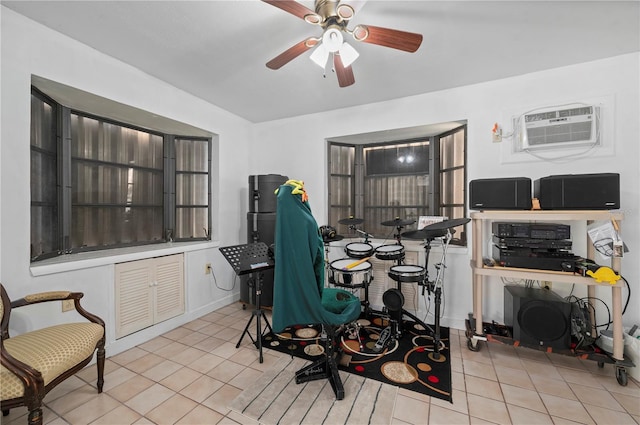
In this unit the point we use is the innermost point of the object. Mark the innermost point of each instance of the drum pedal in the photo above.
(385, 336)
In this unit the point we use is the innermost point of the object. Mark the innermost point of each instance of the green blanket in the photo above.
(299, 295)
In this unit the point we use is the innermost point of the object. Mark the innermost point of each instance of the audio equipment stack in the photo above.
(533, 246)
(261, 227)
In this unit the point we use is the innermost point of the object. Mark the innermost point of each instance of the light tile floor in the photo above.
(190, 374)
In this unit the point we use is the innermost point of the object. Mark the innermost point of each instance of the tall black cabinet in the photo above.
(261, 226)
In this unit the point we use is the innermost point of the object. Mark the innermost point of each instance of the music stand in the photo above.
(251, 259)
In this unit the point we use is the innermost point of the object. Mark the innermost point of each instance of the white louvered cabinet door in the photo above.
(134, 297)
(148, 292)
(169, 287)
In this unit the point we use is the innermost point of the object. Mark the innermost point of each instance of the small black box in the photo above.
(578, 191)
(511, 193)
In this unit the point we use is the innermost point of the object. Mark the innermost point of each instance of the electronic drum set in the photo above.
(355, 271)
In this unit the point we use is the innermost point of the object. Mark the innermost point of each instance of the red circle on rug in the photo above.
(433, 379)
(303, 343)
(420, 349)
(359, 368)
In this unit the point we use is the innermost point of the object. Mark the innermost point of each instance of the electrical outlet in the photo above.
(497, 136)
(207, 268)
(67, 305)
(546, 284)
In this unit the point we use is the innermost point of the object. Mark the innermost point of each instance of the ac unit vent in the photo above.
(562, 128)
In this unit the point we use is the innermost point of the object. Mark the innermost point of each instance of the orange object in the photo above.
(355, 263)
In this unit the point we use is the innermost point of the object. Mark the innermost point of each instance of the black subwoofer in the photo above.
(511, 193)
(539, 317)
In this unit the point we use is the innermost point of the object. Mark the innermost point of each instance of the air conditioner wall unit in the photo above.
(560, 128)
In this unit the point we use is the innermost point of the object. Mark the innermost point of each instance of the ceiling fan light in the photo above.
(345, 11)
(348, 54)
(360, 32)
(332, 39)
(313, 18)
(320, 56)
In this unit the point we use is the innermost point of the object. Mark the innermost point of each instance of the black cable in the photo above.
(626, 304)
(594, 310)
(580, 324)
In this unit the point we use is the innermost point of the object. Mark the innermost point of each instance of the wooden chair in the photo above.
(34, 362)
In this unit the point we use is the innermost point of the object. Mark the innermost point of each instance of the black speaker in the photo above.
(511, 193)
(578, 191)
(261, 227)
(261, 192)
(539, 317)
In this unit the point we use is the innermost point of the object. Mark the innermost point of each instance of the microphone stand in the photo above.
(365, 234)
(437, 286)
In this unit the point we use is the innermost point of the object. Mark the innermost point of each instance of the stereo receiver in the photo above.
(531, 230)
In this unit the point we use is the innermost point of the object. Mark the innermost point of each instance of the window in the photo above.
(44, 187)
(405, 179)
(116, 184)
(97, 183)
(193, 163)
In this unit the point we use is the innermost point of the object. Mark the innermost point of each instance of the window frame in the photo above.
(356, 206)
(65, 164)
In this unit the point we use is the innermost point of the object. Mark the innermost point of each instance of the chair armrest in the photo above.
(58, 296)
(45, 296)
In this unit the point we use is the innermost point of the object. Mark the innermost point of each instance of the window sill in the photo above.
(85, 260)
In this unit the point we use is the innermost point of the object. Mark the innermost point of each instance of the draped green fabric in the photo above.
(299, 296)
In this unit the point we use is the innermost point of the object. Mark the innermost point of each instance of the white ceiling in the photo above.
(217, 50)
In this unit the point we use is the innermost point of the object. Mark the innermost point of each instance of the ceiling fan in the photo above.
(333, 17)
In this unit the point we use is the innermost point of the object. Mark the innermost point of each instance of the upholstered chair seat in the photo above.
(34, 362)
(51, 351)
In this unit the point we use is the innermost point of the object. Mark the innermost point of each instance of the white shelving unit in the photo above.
(480, 271)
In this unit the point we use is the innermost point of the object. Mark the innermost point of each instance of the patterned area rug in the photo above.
(276, 399)
(408, 363)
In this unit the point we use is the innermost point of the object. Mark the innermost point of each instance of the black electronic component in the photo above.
(558, 260)
(531, 243)
(531, 230)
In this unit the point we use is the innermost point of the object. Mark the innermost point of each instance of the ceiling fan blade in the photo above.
(296, 9)
(345, 75)
(292, 53)
(396, 39)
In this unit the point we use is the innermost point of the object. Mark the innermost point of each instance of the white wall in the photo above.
(29, 48)
(296, 147)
